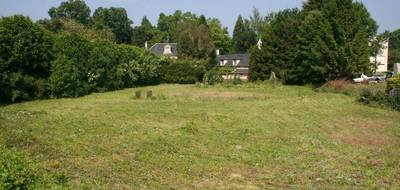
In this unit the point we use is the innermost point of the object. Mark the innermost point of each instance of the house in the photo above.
(396, 68)
(381, 60)
(239, 62)
(165, 49)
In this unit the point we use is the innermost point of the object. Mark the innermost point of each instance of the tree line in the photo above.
(77, 52)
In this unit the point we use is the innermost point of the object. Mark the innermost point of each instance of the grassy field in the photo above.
(244, 137)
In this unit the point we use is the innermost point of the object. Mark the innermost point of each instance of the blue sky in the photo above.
(383, 11)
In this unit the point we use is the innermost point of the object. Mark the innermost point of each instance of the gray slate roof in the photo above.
(244, 59)
(158, 49)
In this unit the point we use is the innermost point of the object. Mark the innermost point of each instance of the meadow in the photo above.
(250, 136)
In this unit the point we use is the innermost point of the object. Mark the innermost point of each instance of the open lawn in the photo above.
(242, 137)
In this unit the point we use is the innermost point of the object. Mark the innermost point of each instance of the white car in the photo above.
(363, 78)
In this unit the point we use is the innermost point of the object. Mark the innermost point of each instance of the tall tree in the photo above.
(316, 56)
(146, 32)
(243, 36)
(394, 47)
(279, 46)
(117, 20)
(194, 41)
(259, 23)
(220, 36)
(72, 9)
(352, 28)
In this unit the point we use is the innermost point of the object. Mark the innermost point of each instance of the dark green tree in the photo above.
(316, 57)
(243, 36)
(394, 47)
(279, 46)
(25, 56)
(353, 28)
(72, 9)
(70, 70)
(194, 41)
(146, 32)
(220, 36)
(117, 20)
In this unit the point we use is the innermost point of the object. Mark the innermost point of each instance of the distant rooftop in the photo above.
(159, 49)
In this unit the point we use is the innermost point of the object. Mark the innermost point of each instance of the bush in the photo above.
(183, 72)
(83, 66)
(237, 81)
(394, 99)
(213, 77)
(67, 79)
(26, 53)
(393, 83)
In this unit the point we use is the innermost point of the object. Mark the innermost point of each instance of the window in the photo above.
(223, 62)
(167, 50)
(236, 62)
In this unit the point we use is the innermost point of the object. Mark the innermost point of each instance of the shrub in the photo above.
(394, 99)
(67, 79)
(213, 77)
(237, 81)
(393, 83)
(26, 53)
(183, 72)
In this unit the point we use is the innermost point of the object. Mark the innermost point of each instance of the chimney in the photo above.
(217, 52)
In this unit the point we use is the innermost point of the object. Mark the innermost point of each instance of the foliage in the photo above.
(315, 58)
(394, 47)
(25, 56)
(326, 40)
(243, 36)
(69, 75)
(258, 23)
(183, 72)
(220, 36)
(87, 32)
(381, 98)
(72, 9)
(83, 66)
(213, 76)
(393, 83)
(279, 47)
(194, 41)
(146, 32)
(115, 19)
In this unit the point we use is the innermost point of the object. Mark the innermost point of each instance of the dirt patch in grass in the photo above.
(369, 139)
(220, 95)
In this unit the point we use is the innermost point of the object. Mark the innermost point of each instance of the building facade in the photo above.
(239, 63)
(381, 60)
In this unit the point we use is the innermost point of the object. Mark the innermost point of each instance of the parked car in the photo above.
(363, 78)
(377, 78)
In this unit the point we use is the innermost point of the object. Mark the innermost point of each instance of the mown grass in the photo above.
(252, 136)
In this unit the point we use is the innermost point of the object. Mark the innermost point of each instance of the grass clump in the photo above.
(18, 171)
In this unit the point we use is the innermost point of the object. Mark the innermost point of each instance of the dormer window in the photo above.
(223, 62)
(167, 50)
(236, 62)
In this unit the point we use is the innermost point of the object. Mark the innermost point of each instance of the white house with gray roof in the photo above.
(239, 62)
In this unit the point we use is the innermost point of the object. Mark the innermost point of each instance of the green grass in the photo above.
(251, 136)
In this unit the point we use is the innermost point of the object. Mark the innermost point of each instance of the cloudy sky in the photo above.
(385, 12)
